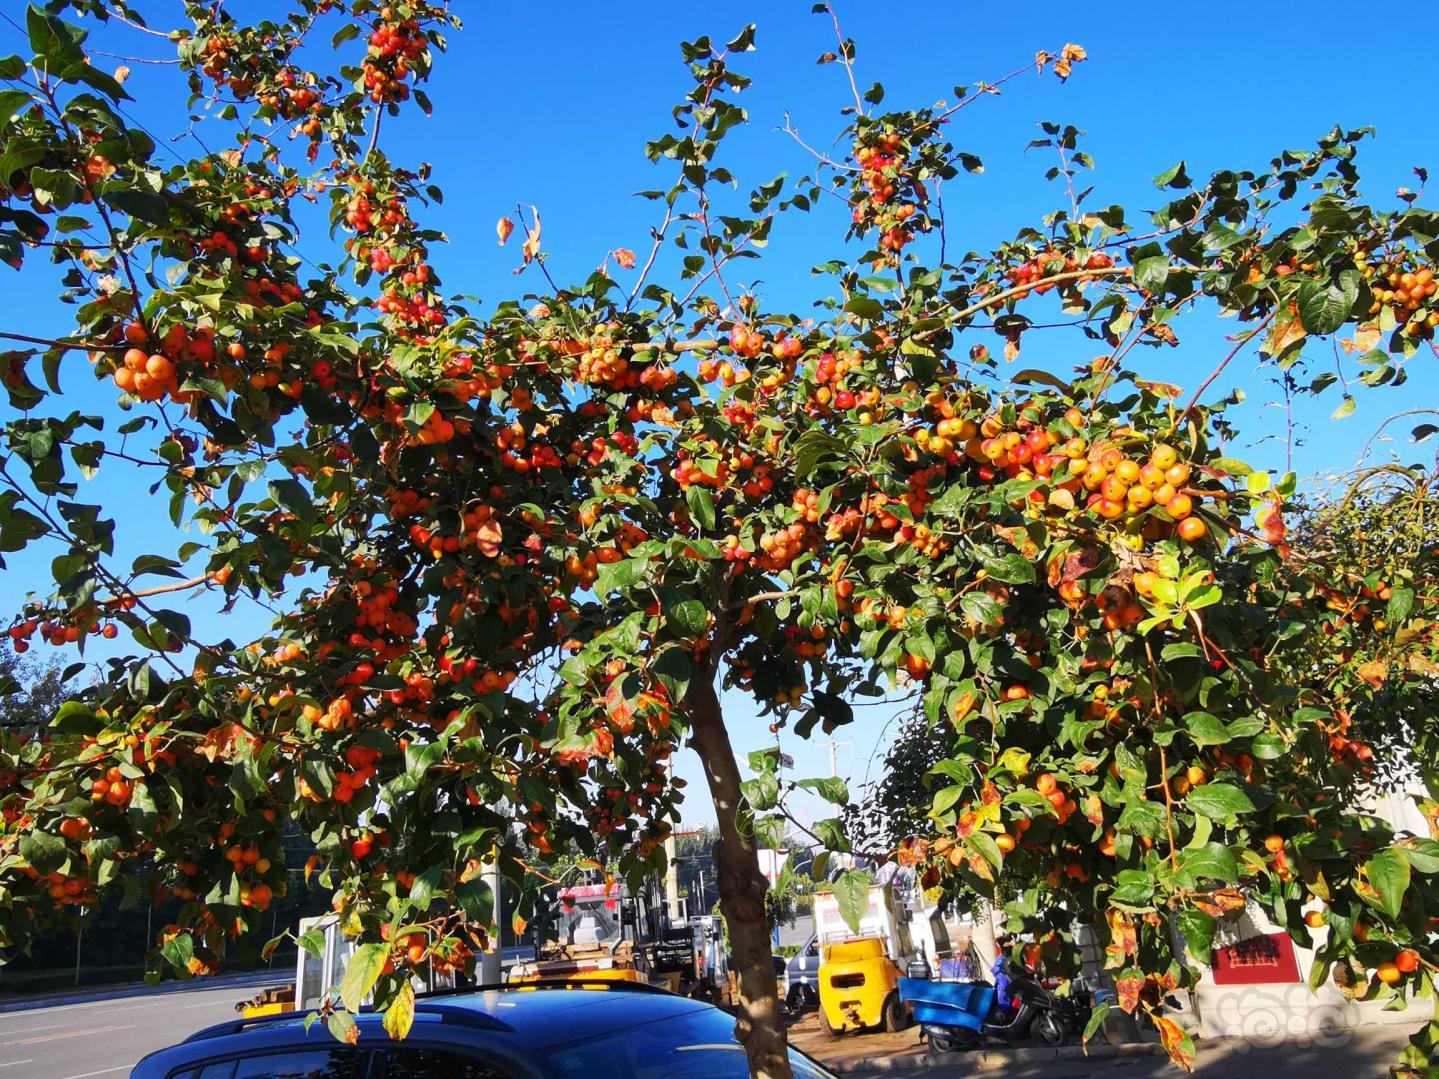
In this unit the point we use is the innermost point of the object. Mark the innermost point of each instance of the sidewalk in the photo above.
(879, 1052)
(83, 995)
(1356, 1053)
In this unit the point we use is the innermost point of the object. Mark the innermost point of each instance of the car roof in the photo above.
(537, 1018)
(521, 1021)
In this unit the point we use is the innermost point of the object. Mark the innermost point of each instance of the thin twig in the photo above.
(1244, 339)
(50, 343)
(844, 58)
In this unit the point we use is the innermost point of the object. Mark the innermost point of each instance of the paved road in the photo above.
(106, 1037)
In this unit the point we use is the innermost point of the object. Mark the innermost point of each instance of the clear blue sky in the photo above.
(551, 105)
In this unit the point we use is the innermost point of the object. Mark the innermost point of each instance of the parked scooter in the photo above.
(965, 1015)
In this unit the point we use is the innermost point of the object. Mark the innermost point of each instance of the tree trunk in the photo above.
(742, 887)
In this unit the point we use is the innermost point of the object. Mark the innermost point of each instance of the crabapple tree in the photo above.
(513, 555)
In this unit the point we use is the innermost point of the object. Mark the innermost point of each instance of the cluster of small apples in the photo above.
(1049, 264)
(291, 95)
(747, 343)
(221, 60)
(1408, 292)
(251, 865)
(367, 211)
(1112, 484)
(395, 44)
(114, 787)
(525, 452)
(154, 371)
(423, 312)
(1352, 752)
(779, 548)
(886, 197)
(724, 372)
(65, 889)
(811, 643)
(63, 628)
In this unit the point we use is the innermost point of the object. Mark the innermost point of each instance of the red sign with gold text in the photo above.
(1268, 958)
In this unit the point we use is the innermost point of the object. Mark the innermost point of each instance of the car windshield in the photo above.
(700, 1045)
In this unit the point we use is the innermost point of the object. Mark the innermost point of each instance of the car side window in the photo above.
(297, 1064)
(419, 1062)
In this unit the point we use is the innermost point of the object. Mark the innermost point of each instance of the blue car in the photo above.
(559, 1031)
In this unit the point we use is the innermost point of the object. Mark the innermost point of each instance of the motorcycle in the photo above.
(965, 1015)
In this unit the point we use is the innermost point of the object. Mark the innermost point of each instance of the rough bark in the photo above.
(742, 887)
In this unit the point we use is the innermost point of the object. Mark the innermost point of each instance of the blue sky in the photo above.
(550, 105)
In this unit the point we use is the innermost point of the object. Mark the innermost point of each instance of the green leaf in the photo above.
(865, 307)
(400, 1015)
(830, 788)
(142, 205)
(1212, 861)
(178, 951)
(830, 833)
(1401, 602)
(1218, 800)
(688, 619)
(54, 41)
(616, 575)
(762, 792)
(1198, 930)
(1152, 274)
(313, 942)
(425, 888)
(1346, 408)
(361, 973)
(43, 851)
(673, 669)
(702, 505)
(982, 607)
(1324, 308)
(813, 447)
(341, 1025)
(946, 798)
(1268, 746)
(1423, 855)
(1096, 1020)
(1010, 568)
(1172, 177)
(1206, 730)
(769, 832)
(11, 102)
(478, 900)
(763, 762)
(851, 891)
(1388, 873)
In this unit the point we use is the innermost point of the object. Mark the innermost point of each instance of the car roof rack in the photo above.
(464, 1016)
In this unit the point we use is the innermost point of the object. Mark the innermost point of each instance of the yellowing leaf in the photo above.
(1177, 1044)
(625, 257)
(532, 239)
(400, 1015)
(503, 228)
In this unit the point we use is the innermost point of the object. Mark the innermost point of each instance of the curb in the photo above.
(122, 992)
(994, 1057)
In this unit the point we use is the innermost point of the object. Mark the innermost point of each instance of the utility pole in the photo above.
(490, 961)
(833, 763)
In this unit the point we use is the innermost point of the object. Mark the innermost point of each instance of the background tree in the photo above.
(516, 553)
(31, 691)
